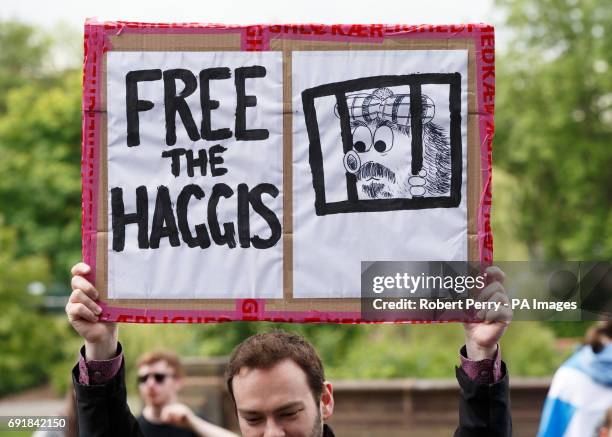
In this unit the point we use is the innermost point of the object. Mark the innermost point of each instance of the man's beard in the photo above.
(317, 427)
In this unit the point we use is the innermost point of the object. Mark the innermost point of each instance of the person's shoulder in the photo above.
(327, 431)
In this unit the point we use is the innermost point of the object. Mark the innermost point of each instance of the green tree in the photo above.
(28, 341)
(39, 201)
(554, 124)
(40, 189)
(22, 55)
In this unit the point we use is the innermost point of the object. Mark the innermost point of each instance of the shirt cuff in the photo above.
(487, 371)
(99, 372)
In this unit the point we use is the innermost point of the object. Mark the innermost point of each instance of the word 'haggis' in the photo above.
(170, 216)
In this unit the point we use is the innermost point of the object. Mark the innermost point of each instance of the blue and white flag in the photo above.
(580, 393)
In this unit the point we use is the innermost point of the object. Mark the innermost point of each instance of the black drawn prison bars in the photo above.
(415, 82)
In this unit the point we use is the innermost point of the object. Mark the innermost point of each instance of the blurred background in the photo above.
(552, 179)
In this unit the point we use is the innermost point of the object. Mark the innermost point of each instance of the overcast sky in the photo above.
(72, 13)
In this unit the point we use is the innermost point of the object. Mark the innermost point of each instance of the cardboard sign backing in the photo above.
(327, 99)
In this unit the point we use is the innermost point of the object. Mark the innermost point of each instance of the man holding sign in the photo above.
(160, 377)
(276, 379)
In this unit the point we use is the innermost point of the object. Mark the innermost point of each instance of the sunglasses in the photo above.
(159, 377)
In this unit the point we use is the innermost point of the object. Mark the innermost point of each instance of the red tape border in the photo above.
(257, 38)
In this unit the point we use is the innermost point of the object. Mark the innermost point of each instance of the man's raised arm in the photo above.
(484, 406)
(99, 377)
(102, 408)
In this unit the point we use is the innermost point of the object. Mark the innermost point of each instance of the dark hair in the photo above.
(596, 334)
(265, 350)
(169, 357)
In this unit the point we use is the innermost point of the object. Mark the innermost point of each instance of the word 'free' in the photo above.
(175, 103)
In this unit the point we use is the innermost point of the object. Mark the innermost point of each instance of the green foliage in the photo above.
(528, 349)
(15, 433)
(402, 351)
(40, 198)
(332, 341)
(39, 171)
(569, 329)
(22, 55)
(431, 351)
(504, 219)
(352, 351)
(554, 124)
(138, 339)
(28, 341)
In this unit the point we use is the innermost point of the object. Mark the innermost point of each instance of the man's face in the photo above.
(384, 153)
(278, 402)
(161, 386)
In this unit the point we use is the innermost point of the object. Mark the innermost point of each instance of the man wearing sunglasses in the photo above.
(160, 377)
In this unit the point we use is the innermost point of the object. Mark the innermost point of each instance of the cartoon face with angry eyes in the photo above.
(382, 145)
(384, 158)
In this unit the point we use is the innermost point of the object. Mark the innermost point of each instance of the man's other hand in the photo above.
(83, 314)
(177, 415)
(481, 338)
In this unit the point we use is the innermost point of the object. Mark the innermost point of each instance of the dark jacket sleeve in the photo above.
(484, 409)
(102, 410)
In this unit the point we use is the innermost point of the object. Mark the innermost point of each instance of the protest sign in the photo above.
(244, 172)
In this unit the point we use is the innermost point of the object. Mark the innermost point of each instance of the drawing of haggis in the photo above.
(382, 147)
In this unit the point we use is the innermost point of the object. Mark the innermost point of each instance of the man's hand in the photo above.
(177, 415)
(181, 415)
(481, 338)
(83, 312)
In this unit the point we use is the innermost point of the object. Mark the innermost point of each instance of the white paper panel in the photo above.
(328, 248)
(182, 272)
